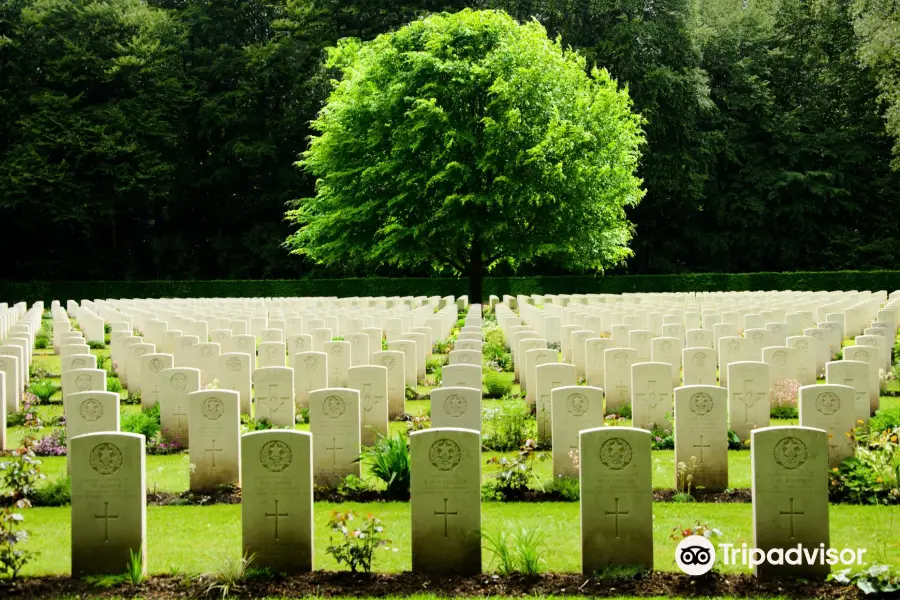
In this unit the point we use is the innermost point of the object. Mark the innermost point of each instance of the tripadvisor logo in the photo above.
(696, 555)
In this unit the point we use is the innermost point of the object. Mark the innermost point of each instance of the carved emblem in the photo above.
(828, 403)
(83, 382)
(455, 405)
(233, 363)
(212, 408)
(616, 454)
(156, 365)
(334, 406)
(275, 456)
(178, 381)
(106, 458)
(790, 452)
(311, 363)
(577, 404)
(91, 409)
(700, 403)
(780, 358)
(444, 454)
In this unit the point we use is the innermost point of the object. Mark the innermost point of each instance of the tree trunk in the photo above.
(476, 270)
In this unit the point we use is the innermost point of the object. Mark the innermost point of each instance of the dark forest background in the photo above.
(156, 139)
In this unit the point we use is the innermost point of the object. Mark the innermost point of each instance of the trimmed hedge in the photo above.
(379, 286)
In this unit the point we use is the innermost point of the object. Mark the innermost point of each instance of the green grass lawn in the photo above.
(194, 539)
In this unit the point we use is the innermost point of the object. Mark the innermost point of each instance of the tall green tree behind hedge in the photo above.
(652, 48)
(465, 140)
(802, 173)
(91, 131)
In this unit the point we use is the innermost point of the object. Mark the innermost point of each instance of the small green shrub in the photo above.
(565, 488)
(511, 480)
(435, 364)
(39, 370)
(357, 539)
(144, 422)
(873, 475)
(624, 412)
(249, 424)
(389, 461)
(44, 390)
(41, 342)
(353, 488)
(230, 576)
(104, 362)
(16, 419)
(522, 556)
(497, 385)
(884, 419)
(443, 346)
(57, 492)
(734, 442)
(662, 439)
(873, 579)
(507, 427)
(95, 345)
(411, 393)
(113, 384)
(135, 570)
(784, 412)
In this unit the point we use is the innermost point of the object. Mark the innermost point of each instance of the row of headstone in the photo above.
(277, 471)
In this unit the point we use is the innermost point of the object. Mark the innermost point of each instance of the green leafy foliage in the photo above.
(874, 579)
(44, 389)
(56, 492)
(872, 476)
(497, 385)
(146, 423)
(513, 476)
(564, 488)
(495, 164)
(885, 419)
(507, 427)
(389, 461)
(662, 439)
(516, 553)
(357, 539)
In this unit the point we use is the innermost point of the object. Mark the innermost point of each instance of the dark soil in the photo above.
(331, 584)
(733, 495)
(231, 495)
(222, 495)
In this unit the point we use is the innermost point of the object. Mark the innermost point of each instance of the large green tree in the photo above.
(877, 23)
(462, 141)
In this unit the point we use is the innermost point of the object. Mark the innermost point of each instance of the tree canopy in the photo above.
(464, 140)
